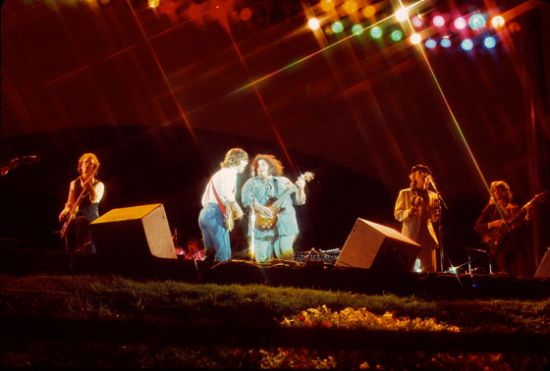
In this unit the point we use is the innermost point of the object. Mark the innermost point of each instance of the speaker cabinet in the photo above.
(134, 232)
(543, 270)
(375, 246)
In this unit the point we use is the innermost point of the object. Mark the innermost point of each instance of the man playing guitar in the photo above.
(499, 218)
(266, 187)
(82, 206)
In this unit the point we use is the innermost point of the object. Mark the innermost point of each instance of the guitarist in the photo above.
(82, 206)
(267, 184)
(493, 221)
(219, 206)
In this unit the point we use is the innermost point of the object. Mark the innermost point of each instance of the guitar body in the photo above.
(264, 222)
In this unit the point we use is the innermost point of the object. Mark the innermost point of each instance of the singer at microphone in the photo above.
(414, 208)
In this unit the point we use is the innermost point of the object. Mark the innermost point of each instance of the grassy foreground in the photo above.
(119, 298)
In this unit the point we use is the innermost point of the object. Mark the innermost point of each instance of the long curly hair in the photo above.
(275, 166)
(508, 196)
(85, 157)
(233, 157)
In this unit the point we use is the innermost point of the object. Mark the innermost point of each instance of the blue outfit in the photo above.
(277, 241)
(215, 234)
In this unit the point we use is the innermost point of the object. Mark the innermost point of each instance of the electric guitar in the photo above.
(274, 204)
(494, 237)
(71, 215)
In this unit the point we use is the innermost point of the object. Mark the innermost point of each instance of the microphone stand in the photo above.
(440, 225)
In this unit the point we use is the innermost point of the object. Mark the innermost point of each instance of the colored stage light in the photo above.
(417, 21)
(245, 14)
(467, 44)
(313, 24)
(415, 38)
(396, 35)
(153, 3)
(369, 11)
(402, 14)
(357, 29)
(327, 5)
(376, 32)
(490, 42)
(460, 23)
(430, 43)
(337, 27)
(497, 22)
(445, 42)
(477, 21)
(438, 21)
(350, 6)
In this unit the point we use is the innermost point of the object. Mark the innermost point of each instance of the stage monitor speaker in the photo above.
(543, 270)
(375, 246)
(134, 232)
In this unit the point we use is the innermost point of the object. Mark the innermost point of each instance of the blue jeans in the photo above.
(214, 233)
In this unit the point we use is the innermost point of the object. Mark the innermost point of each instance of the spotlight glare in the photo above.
(313, 24)
(477, 21)
(245, 14)
(417, 21)
(357, 29)
(490, 42)
(396, 35)
(153, 3)
(430, 44)
(337, 27)
(327, 5)
(460, 23)
(402, 14)
(497, 21)
(376, 32)
(467, 44)
(350, 6)
(445, 42)
(415, 38)
(438, 21)
(369, 11)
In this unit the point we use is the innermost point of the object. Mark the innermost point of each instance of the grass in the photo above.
(117, 297)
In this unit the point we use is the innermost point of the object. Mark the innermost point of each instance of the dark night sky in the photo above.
(161, 95)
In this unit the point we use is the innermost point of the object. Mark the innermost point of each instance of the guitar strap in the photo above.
(218, 200)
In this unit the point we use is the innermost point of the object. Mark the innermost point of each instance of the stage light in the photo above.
(497, 22)
(467, 44)
(245, 14)
(376, 32)
(430, 43)
(153, 3)
(327, 5)
(313, 24)
(445, 42)
(350, 6)
(357, 29)
(477, 21)
(415, 38)
(438, 21)
(337, 27)
(460, 23)
(402, 14)
(369, 11)
(396, 35)
(490, 42)
(417, 21)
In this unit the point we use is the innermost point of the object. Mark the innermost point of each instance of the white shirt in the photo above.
(225, 182)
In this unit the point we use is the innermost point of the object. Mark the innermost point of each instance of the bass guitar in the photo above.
(71, 215)
(494, 237)
(274, 204)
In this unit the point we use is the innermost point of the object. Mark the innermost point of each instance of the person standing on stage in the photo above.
(417, 208)
(494, 223)
(266, 185)
(219, 207)
(82, 206)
